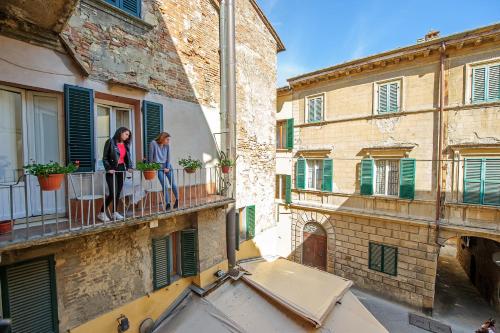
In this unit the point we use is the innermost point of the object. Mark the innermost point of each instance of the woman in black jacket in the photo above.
(116, 158)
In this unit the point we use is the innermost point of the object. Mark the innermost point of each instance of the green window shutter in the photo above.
(289, 133)
(407, 178)
(250, 214)
(327, 183)
(189, 255)
(375, 257)
(132, 7)
(237, 231)
(382, 99)
(478, 84)
(473, 176)
(79, 112)
(29, 296)
(390, 260)
(300, 181)
(494, 83)
(393, 101)
(367, 176)
(152, 123)
(288, 189)
(161, 264)
(491, 187)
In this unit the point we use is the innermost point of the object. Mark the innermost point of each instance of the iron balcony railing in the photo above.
(27, 212)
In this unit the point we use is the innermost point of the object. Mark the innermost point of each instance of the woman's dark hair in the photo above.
(118, 134)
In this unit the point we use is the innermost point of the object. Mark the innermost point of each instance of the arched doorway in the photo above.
(314, 249)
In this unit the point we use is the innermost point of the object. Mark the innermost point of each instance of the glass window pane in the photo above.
(393, 181)
(380, 181)
(46, 129)
(103, 130)
(11, 134)
(310, 173)
(122, 118)
(319, 174)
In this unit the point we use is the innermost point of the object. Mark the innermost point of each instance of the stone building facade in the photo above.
(161, 53)
(365, 160)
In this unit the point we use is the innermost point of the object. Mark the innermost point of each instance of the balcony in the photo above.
(29, 216)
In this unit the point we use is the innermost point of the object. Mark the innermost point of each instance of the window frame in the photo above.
(322, 96)
(318, 166)
(382, 261)
(376, 86)
(386, 183)
(282, 125)
(469, 69)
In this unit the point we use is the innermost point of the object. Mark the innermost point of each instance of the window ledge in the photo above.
(118, 13)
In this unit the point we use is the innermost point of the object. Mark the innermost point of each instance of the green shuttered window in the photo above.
(161, 264)
(152, 122)
(367, 176)
(383, 258)
(327, 183)
(132, 7)
(300, 181)
(289, 134)
(189, 252)
(482, 181)
(250, 221)
(79, 111)
(288, 189)
(407, 178)
(486, 83)
(29, 296)
(389, 97)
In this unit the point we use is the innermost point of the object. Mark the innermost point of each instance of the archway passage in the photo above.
(314, 248)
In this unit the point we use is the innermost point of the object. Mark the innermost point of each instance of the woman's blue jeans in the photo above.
(171, 180)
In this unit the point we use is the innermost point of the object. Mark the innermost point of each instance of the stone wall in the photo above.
(347, 246)
(487, 273)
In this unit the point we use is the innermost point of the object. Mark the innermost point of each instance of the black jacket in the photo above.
(111, 154)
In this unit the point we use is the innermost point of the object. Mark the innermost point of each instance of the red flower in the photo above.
(77, 162)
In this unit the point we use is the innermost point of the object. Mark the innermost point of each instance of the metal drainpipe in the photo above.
(442, 51)
(228, 94)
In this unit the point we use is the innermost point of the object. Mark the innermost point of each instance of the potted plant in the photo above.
(190, 165)
(225, 163)
(50, 175)
(148, 169)
(5, 227)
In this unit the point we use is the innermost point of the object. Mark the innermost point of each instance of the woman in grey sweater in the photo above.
(159, 152)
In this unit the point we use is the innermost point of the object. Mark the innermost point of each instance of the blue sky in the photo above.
(321, 33)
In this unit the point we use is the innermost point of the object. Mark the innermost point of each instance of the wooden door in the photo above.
(314, 248)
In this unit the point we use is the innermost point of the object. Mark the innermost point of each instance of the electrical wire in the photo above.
(33, 69)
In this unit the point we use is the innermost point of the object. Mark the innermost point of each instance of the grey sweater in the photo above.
(159, 153)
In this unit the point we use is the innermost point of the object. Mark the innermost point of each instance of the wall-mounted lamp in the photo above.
(123, 324)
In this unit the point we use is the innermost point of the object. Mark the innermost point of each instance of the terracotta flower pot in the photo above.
(51, 182)
(5, 227)
(226, 169)
(149, 174)
(189, 170)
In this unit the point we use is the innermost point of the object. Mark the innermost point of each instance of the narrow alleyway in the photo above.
(458, 302)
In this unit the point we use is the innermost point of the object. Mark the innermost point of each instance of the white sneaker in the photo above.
(103, 217)
(118, 216)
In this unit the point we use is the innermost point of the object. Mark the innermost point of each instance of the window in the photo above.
(387, 177)
(314, 109)
(388, 97)
(482, 181)
(383, 258)
(132, 7)
(242, 226)
(314, 174)
(281, 135)
(246, 225)
(109, 119)
(283, 188)
(485, 83)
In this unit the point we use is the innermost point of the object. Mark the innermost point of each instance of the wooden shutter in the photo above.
(29, 296)
(289, 133)
(382, 98)
(132, 6)
(189, 255)
(300, 181)
(390, 260)
(478, 84)
(473, 176)
(327, 183)
(407, 178)
(250, 215)
(491, 187)
(494, 83)
(393, 101)
(152, 123)
(367, 176)
(375, 257)
(288, 189)
(161, 262)
(79, 112)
